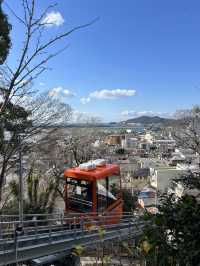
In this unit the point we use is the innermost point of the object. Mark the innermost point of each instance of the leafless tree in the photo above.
(187, 130)
(45, 118)
(32, 61)
(81, 145)
(16, 84)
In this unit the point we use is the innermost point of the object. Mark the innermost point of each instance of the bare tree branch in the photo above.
(15, 15)
(16, 83)
(26, 66)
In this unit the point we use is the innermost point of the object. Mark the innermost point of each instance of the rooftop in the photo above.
(98, 173)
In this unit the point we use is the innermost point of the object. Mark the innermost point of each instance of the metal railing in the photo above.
(48, 234)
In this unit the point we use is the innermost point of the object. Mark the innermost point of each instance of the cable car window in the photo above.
(108, 191)
(79, 194)
(102, 195)
(114, 186)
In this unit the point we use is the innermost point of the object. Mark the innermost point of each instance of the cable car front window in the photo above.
(114, 186)
(79, 195)
(108, 191)
(102, 195)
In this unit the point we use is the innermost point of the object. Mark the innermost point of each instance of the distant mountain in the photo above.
(149, 120)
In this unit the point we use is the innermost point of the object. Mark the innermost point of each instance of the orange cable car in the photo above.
(95, 191)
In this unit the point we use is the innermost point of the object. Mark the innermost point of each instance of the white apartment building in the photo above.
(161, 178)
(152, 163)
(129, 143)
(165, 145)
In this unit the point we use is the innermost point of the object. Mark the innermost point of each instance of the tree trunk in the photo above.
(2, 177)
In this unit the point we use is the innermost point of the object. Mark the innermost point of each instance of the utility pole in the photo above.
(21, 211)
(156, 197)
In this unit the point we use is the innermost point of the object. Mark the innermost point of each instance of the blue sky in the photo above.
(141, 56)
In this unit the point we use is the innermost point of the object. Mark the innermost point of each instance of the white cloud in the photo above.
(54, 92)
(83, 117)
(23, 83)
(131, 113)
(41, 83)
(112, 94)
(85, 100)
(68, 93)
(53, 19)
(60, 91)
(128, 113)
(20, 100)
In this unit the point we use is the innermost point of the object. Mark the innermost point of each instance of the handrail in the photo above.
(6, 226)
(60, 216)
(45, 214)
(55, 223)
(49, 234)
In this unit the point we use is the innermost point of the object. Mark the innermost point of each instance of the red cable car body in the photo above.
(96, 192)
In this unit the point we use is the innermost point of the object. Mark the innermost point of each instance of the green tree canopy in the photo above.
(5, 42)
(15, 120)
(173, 234)
(40, 196)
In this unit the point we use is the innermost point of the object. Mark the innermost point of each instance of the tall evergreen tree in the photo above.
(5, 28)
(172, 236)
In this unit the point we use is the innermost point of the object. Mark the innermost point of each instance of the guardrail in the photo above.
(9, 223)
(50, 234)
